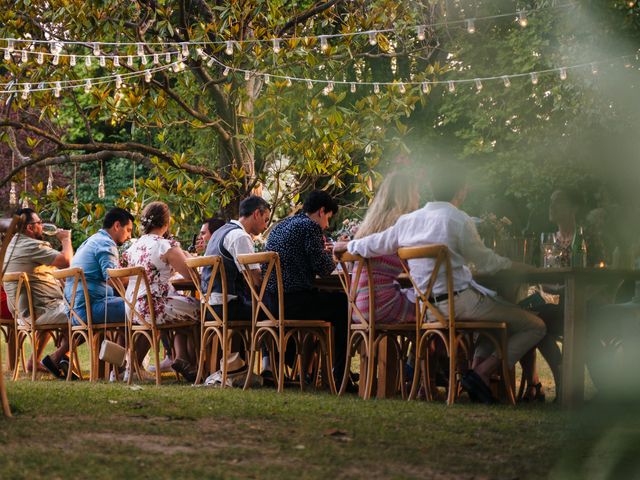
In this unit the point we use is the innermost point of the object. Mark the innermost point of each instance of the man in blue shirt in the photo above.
(98, 253)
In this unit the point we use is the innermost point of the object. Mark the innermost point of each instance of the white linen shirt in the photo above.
(442, 223)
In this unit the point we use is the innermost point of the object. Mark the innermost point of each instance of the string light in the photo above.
(116, 61)
(87, 61)
(452, 86)
(267, 79)
(594, 69)
(229, 49)
(563, 73)
(324, 43)
(226, 71)
(40, 58)
(534, 78)
(10, 46)
(326, 91)
(210, 62)
(25, 91)
(129, 61)
(143, 59)
(87, 86)
(7, 54)
(72, 60)
(376, 88)
(471, 27)
(246, 75)
(102, 61)
(478, 84)
(140, 49)
(288, 81)
(425, 87)
(24, 57)
(401, 88)
(522, 18)
(372, 38)
(50, 181)
(353, 88)
(185, 49)
(420, 30)
(57, 90)
(506, 81)
(309, 84)
(156, 59)
(147, 76)
(276, 45)
(96, 50)
(167, 58)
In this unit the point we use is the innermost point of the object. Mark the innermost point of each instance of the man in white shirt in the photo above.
(441, 222)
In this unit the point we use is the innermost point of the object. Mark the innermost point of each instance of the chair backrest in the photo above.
(217, 269)
(78, 279)
(139, 277)
(271, 262)
(351, 271)
(22, 279)
(424, 297)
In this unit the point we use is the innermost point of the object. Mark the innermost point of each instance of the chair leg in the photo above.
(201, 357)
(347, 366)
(281, 350)
(416, 371)
(371, 348)
(34, 347)
(250, 365)
(155, 345)
(506, 373)
(328, 354)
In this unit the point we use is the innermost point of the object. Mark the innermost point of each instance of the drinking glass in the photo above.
(548, 250)
(49, 229)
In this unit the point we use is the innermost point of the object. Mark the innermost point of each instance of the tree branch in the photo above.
(304, 16)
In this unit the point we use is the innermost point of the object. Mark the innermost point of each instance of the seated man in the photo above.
(28, 252)
(441, 222)
(299, 242)
(98, 253)
(229, 241)
(209, 226)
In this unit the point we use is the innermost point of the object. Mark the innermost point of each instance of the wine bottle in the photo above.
(579, 249)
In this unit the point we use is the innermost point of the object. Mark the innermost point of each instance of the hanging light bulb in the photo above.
(140, 50)
(534, 78)
(210, 62)
(326, 91)
(288, 81)
(87, 61)
(372, 38)
(309, 84)
(74, 211)
(175, 67)
(96, 50)
(353, 88)
(147, 76)
(50, 181)
(129, 60)
(40, 58)
(478, 84)
(421, 32)
(25, 91)
(267, 79)
(156, 59)
(7, 55)
(471, 27)
(594, 69)
(229, 49)
(143, 59)
(226, 71)
(522, 18)
(25, 203)
(402, 88)
(118, 82)
(247, 74)
(102, 61)
(116, 60)
(167, 57)
(87, 85)
(185, 49)
(10, 46)
(452, 86)
(72, 60)
(506, 81)
(425, 87)
(25, 200)
(13, 197)
(24, 57)
(101, 192)
(276, 45)
(563, 73)
(58, 88)
(376, 88)
(324, 43)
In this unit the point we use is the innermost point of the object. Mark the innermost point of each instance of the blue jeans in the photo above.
(115, 311)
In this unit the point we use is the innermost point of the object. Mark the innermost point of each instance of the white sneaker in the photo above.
(165, 366)
(125, 376)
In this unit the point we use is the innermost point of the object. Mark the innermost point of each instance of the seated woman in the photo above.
(397, 195)
(161, 257)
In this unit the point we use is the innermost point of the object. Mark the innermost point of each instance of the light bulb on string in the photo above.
(140, 50)
(309, 84)
(102, 61)
(74, 211)
(324, 43)
(25, 200)
(143, 59)
(534, 78)
(24, 58)
(116, 60)
(11, 46)
(167, 58)
(25, 91)
(522, 18)
(594, 69)
(326, 91)
(156, 59)
(276, 45)
(226, 71)
(247, 75)
(50, 181)
(421, 32)
(353, 88)
(372, 38)
(96, 50)
(129, 61)
(563, 73)
(471, 27)
(118, 82)
(72, 60)
(425, 87)
(40, 58)
(402, 88)
(210, 62)
(229, 49)
(376, 88)
(87, 85)
(331, 86)
(506, 81)
(478, 84)
(147, 76)
(101, 192)
(288, 82)
(631, 3)
(175, 67)
(87, 61)
(7, 55)
(185, 49)
(57, 89)
(267, 79)
(452, 86)
(13, 197)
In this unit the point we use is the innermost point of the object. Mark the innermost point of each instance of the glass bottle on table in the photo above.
(579, 250)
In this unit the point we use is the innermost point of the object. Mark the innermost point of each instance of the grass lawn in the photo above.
(82, 430)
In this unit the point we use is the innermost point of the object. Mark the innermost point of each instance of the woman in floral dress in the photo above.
(161, 258)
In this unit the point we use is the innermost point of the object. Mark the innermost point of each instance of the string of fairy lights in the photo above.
(136, 60)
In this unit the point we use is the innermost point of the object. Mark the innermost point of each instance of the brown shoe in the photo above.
(185, 369)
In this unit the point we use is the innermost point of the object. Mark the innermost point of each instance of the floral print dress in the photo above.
(169, 306)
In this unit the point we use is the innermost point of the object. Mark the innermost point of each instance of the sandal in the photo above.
(534, 394)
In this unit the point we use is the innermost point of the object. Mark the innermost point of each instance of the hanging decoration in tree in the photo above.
(135, 192)
(101, 192)
(74, 212)
(13, 198)
(25, 200)
(50, 181)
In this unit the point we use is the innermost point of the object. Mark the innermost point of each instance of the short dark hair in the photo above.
(316, 200)
(27, 212)
(117, 214)
(251, 204)
(214, 224)
(446, 180)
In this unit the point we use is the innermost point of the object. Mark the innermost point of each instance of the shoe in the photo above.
(51, 366)
(477, 389)
(534, 393)
(267, 379)
(185, 369)
(64, 365)
(165, 365)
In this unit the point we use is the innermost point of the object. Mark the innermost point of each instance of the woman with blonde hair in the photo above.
(397, 195)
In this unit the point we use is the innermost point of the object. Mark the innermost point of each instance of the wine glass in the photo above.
(49, 229)
(548, 250)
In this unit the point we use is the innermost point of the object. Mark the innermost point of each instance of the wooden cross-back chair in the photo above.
(216, 329)
(365, 330)
(79, 329)
(7, 330)
(450, 330)
(277, 329)
(137, 324)
(27, 327)
(8, 235)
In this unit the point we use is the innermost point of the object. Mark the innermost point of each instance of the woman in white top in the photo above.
(161, 258)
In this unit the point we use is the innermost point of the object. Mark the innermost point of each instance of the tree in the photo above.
(208, 123)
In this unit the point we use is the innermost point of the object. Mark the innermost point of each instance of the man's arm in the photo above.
(321, 261)
(473, 250)
(376, 245)
(63, 260)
